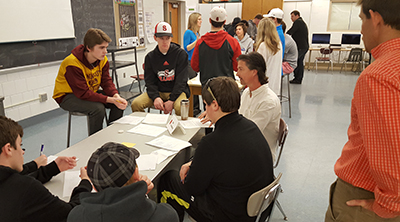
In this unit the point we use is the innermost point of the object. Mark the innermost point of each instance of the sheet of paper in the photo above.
(193, 123)
(147, 130)
(195, 80)
(147, 162)
(71, 180)
(162, 154)
(169, 143)
(131, 120)
(153, 118)
(130, 145)
(51, 158)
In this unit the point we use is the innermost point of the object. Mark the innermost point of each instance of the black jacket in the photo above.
(167, 73)
(24, 198)
(299, 33)
(229, 165)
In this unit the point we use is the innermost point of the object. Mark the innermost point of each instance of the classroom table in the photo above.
(333, 48)
(84, 149)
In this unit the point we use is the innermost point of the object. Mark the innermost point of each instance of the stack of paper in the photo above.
(71, 180)
(147, 130)
(194, 123)
(147, 162)
(169, 143)
(152, 118)
(131, 120)
(150, 161)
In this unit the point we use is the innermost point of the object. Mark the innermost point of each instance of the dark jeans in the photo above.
(171, 190)
(299, 71)
(95, 110)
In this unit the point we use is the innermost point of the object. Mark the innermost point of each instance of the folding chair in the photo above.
(325, 57)
(283, 132)
(260, 201)
(355, 57)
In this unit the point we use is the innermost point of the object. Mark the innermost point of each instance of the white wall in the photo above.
(25, 83)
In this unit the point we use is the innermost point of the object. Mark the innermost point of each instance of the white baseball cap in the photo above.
(163, 29)
(275, 13)
(218, 14)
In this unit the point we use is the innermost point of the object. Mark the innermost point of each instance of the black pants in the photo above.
(95, 110)
(171, 190)
(299, 71)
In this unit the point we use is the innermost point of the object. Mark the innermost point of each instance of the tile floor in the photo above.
(317, 133)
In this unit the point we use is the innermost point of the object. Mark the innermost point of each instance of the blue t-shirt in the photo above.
(282, 37)
(188, 38)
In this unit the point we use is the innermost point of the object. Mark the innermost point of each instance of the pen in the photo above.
(41, 149)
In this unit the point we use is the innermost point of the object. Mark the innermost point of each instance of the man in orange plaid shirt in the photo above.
(368, 170)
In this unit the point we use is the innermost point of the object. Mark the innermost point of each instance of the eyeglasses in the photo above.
(209, 88)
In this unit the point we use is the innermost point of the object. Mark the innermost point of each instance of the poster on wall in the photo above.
(149, 26)
(218, 1)
(126, 22)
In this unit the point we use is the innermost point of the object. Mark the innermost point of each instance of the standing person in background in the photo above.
(216, 52)
(290, 54)
(368, 185)
(190, 38)
(276, 15)
(81, 75)
(192, 34)
(253, 23)
(299, 33)
(270, 47)
(246, 43)
(230, 28)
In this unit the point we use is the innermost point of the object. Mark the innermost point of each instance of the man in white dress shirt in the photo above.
(258, 102)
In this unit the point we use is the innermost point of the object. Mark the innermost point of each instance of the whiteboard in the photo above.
(33, 20)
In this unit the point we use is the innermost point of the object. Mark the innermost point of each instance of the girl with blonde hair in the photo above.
(269, 46)
(192, 33)
(189, 42)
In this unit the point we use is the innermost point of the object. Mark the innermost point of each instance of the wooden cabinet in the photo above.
(251, 8)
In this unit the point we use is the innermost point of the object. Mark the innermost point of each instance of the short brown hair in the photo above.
(217, 24)
(244, 27)
(255, 61)
(192, 22)
(226, 92)
(388, 9)
(295, 12)
(95, 37)
(259, 16)
(9, 131)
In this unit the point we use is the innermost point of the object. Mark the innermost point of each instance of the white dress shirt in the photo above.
(264, 109)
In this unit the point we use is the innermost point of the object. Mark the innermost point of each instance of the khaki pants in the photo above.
(340, 193)
(143, 101)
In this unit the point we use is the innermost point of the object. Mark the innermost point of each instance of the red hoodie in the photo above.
(215, 55)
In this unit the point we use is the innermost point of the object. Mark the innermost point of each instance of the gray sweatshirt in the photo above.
(290, 55)
(246, 44)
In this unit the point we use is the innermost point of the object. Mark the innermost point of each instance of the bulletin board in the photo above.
(129, 23)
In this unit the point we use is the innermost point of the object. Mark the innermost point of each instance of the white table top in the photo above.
(84, 149)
